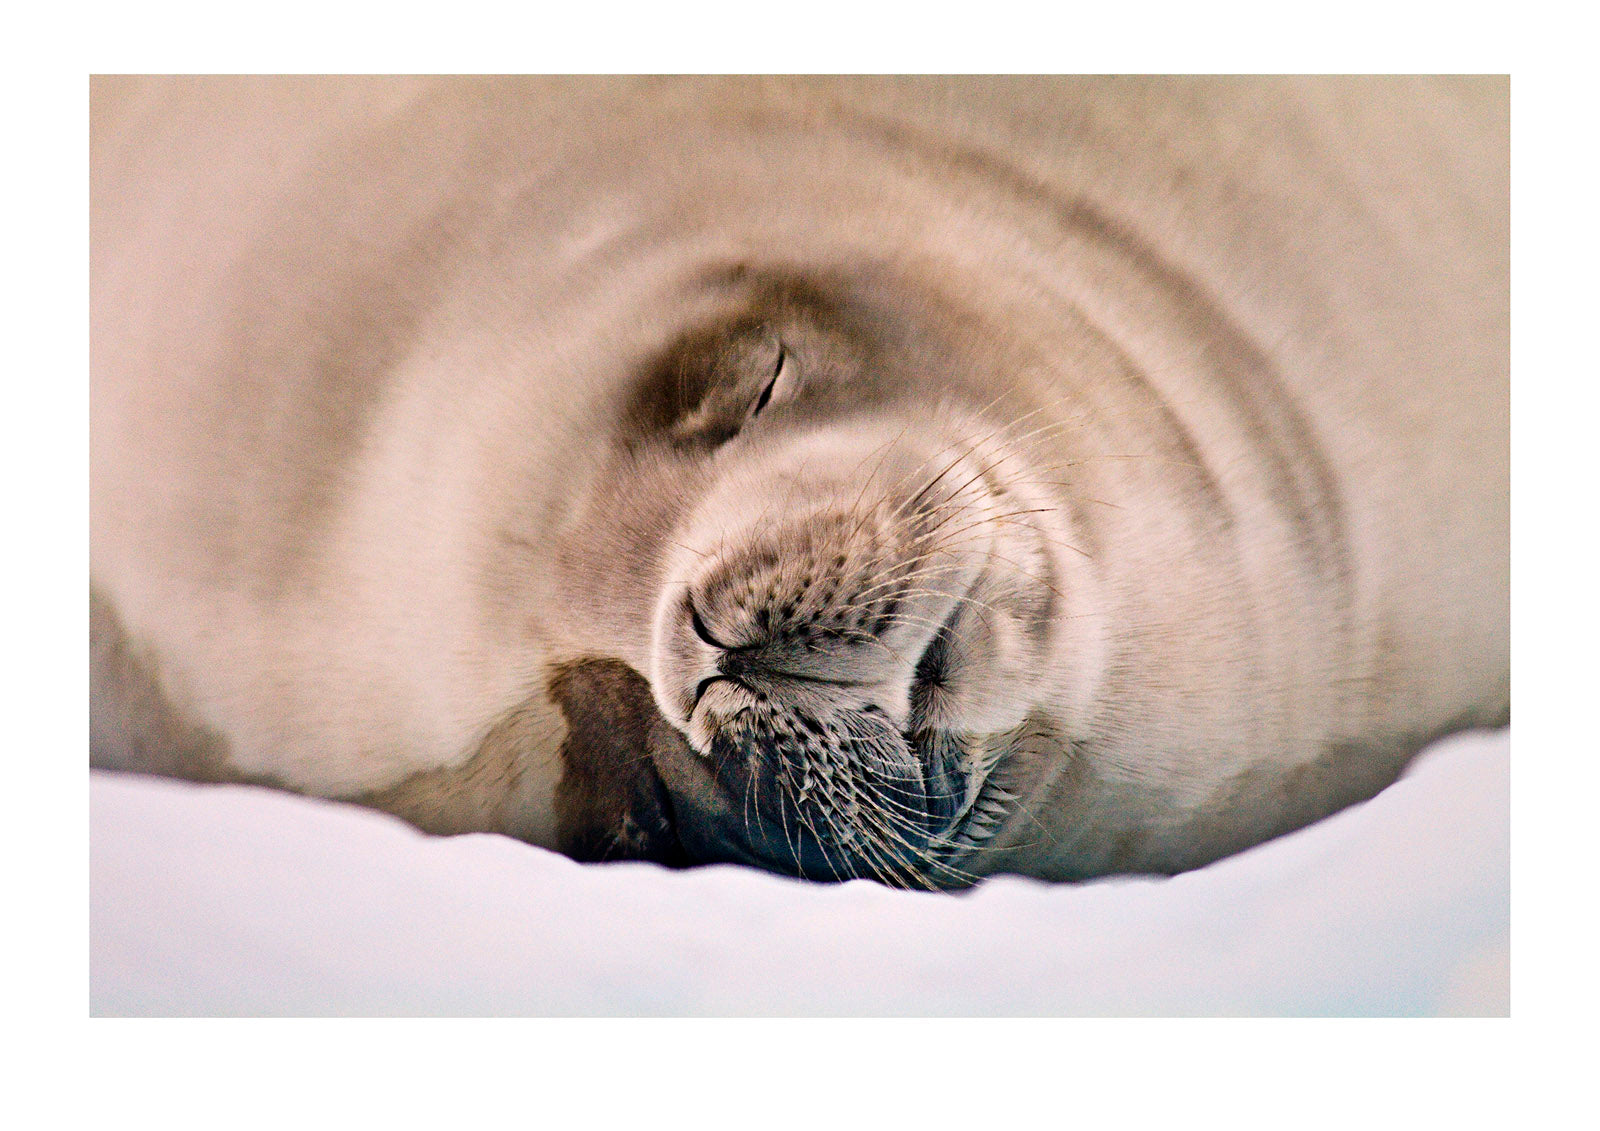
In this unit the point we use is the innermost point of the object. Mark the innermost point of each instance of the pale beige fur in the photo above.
(354, 343)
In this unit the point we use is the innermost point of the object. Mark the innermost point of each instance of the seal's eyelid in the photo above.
(779, 385)
(766, 393)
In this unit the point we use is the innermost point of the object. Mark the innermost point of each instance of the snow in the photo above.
(230, 900)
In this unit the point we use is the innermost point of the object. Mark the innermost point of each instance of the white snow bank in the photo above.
(225, 900)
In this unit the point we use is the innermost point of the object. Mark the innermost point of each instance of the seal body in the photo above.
(913, 479)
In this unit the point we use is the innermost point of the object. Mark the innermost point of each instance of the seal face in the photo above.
(901, 479)
(859, 596)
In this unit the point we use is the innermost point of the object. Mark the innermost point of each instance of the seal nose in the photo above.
(685, 664)
(776, 668)
(787, 654)
(772, 619)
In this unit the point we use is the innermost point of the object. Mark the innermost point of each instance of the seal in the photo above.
(909, 479)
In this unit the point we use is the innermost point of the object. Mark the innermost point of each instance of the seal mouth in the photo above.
(925, 821)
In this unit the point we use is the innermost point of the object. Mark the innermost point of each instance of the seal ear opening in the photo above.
(610, 802)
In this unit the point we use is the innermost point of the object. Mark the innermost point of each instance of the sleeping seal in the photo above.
(909, 479)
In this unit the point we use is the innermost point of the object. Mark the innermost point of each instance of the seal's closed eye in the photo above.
(782, 372)
(712, 384)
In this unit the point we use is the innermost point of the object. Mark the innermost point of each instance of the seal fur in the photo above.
(922, 478)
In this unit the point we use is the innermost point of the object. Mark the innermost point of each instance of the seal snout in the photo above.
(830, 605)
(846, 652)
(789, 663)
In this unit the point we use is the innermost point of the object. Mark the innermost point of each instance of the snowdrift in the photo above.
(229, 900)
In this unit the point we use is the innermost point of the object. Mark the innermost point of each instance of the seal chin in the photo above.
(921, 832)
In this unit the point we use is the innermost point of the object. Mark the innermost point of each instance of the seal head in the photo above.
(857, 601)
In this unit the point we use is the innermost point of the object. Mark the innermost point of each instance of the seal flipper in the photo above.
(632, 788)
(610, 803)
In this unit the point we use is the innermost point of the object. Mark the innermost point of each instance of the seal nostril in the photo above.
(702, 632)
(931, 666)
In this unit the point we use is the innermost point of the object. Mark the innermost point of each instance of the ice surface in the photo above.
(228, 900)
